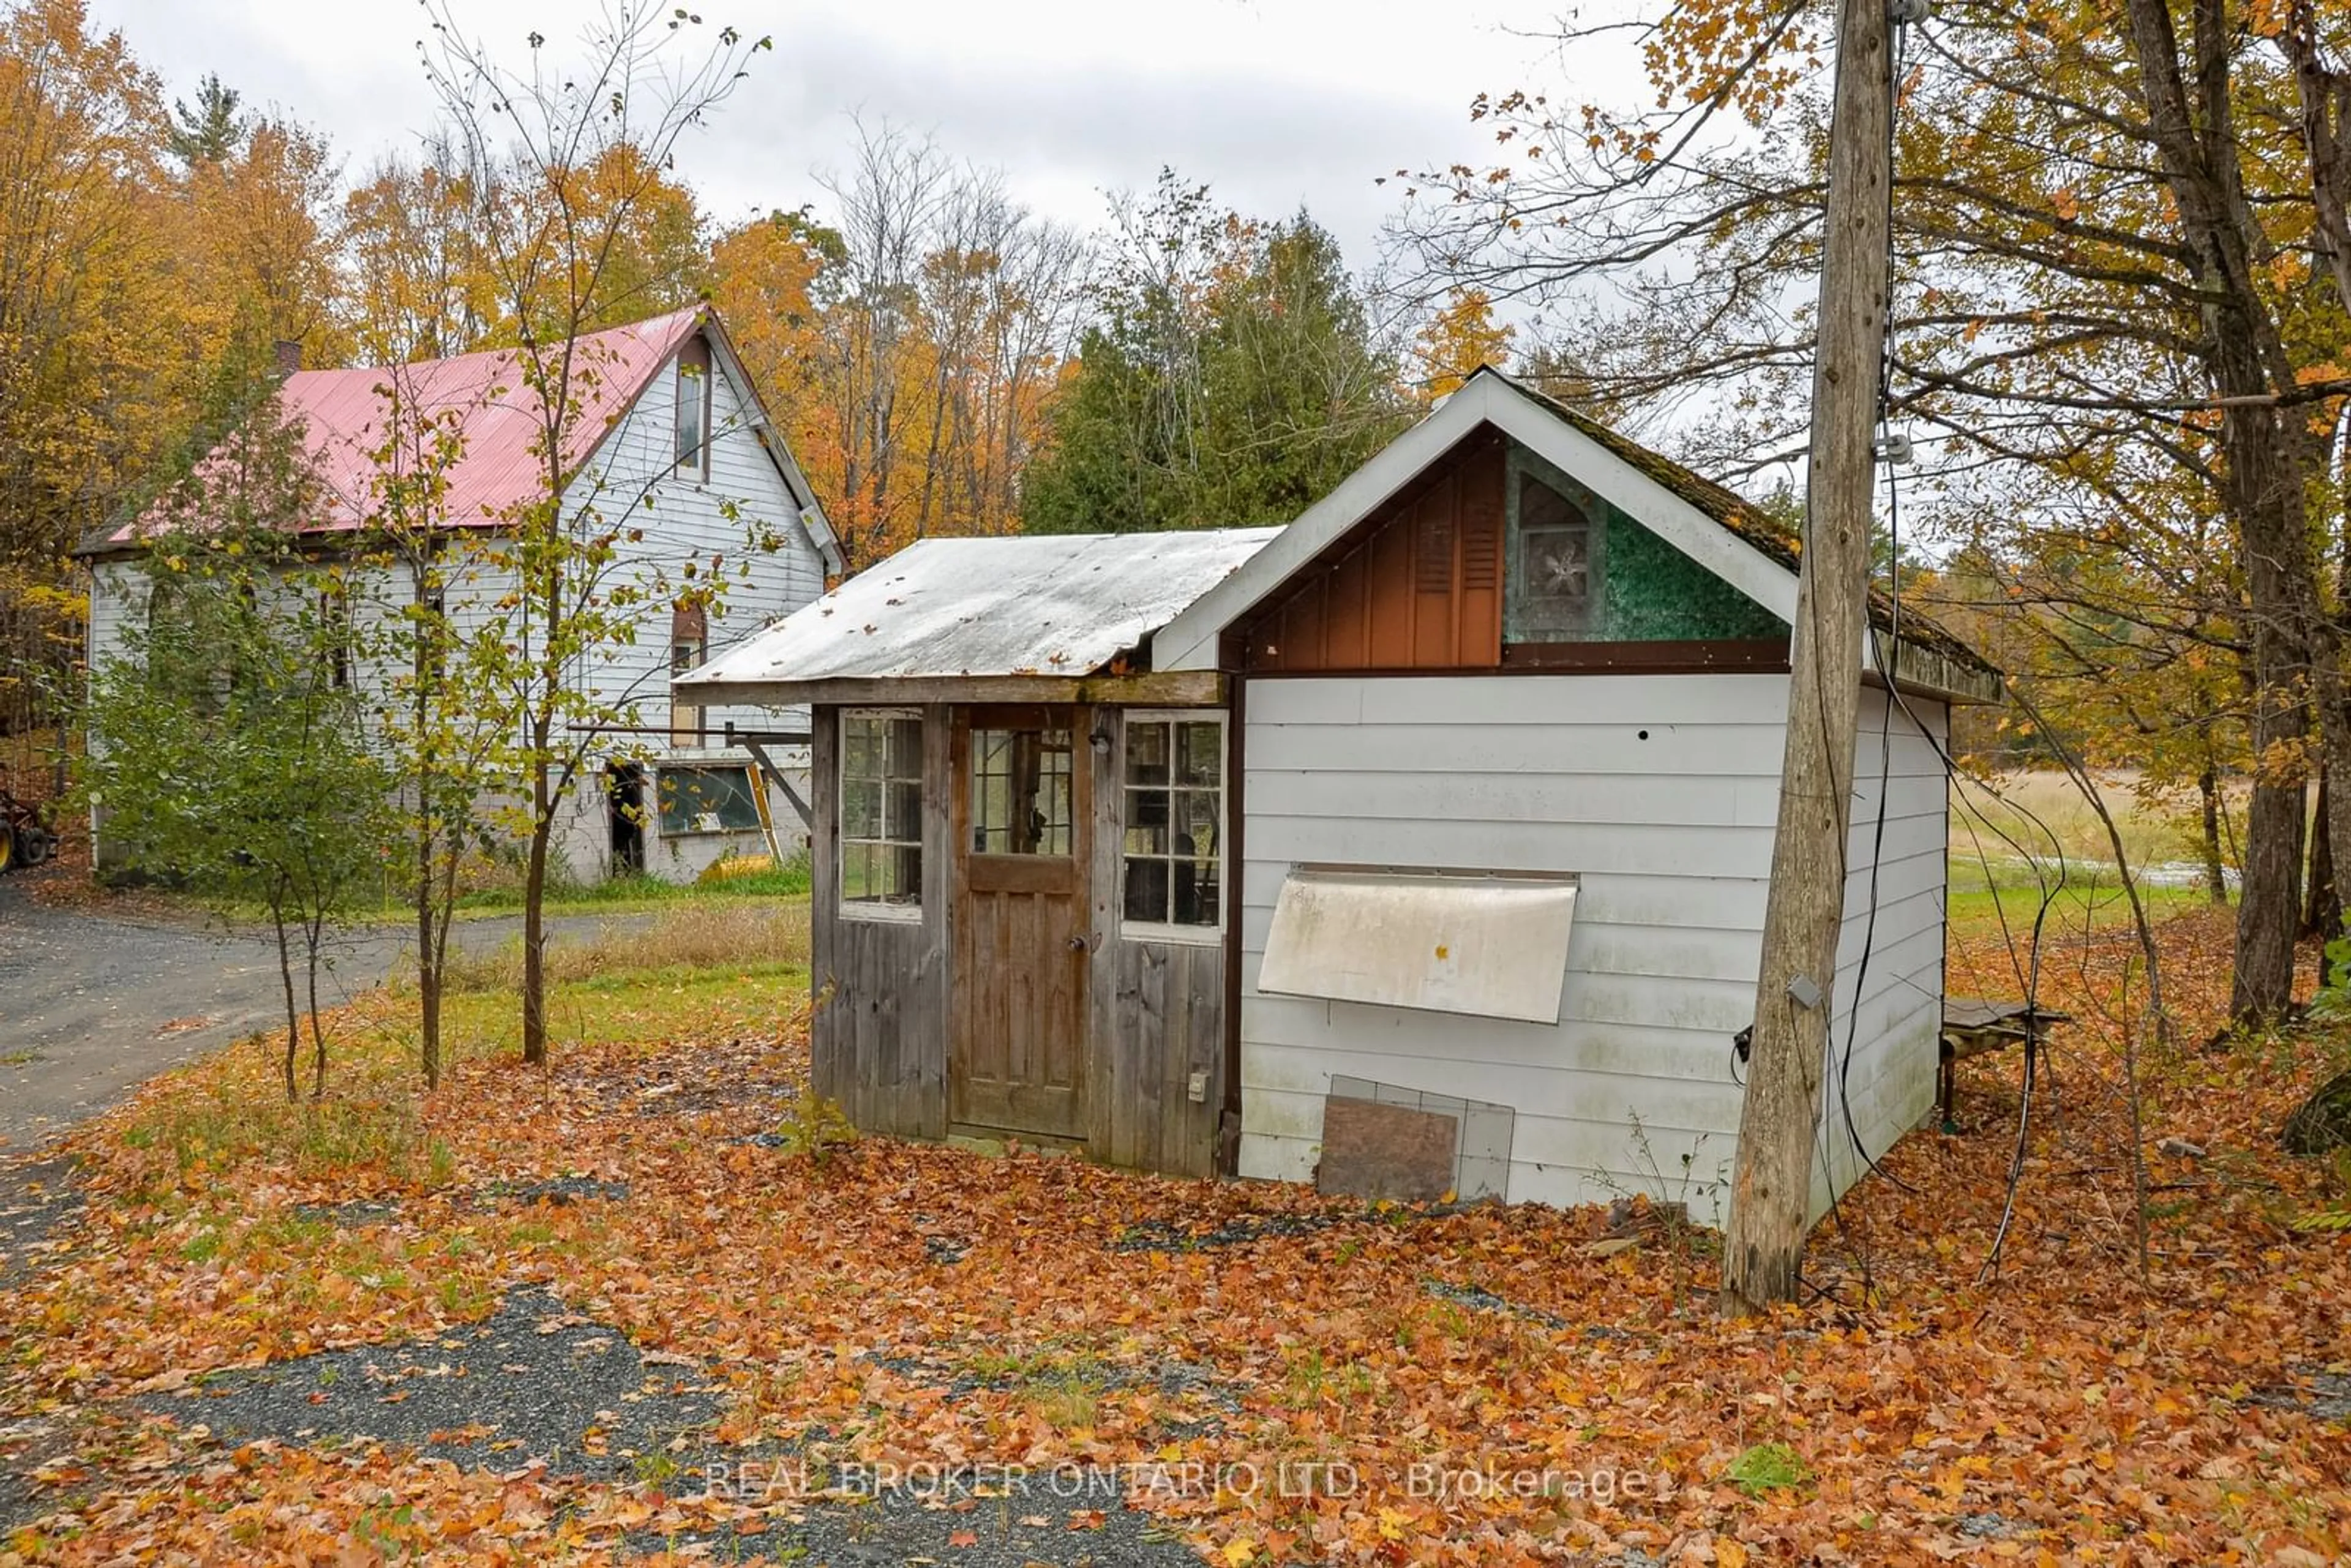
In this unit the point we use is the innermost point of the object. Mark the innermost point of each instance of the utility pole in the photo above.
(1771, 1183)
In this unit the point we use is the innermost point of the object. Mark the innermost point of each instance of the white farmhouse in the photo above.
(670, 433)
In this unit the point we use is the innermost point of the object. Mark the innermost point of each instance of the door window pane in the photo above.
(1023, 792)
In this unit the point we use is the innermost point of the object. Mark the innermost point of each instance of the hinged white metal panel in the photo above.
(1487, 944)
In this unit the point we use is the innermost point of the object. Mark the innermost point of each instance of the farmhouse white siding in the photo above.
(117, 603)
(1660, 793)
(689, 521)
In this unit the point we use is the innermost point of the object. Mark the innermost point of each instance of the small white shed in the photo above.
(1420, 845)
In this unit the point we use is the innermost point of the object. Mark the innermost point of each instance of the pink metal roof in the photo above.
(346, 414)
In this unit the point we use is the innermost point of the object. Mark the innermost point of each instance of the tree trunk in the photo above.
(293, 1009)
(425, 651)
(2267, 909)
(2263, 473)
(1771, 1186)
(534, 899)
(428, 959)
(2322, 911)
(2322, 1123)
(2216, 868)
(2331, 824)
(318, 1032)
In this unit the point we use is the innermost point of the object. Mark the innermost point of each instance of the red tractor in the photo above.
(26, 836)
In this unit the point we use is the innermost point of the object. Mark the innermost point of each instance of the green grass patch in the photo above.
(624, 895)
(498, 893)
(2044, 814)
(716, 936)
(1768, 1468)
(234, 1111)
(2089, 899)
(635, 1006)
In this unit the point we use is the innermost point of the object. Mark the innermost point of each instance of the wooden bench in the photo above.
(1973, 1026)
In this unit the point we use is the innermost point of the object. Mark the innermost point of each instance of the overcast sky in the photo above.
(1273, 102)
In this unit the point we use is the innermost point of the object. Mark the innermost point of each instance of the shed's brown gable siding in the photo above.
(1417, 586)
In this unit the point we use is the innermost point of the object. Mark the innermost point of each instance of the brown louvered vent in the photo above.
(1433, 571)
(1481, 544)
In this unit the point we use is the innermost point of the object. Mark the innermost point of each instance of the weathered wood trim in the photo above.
(1037, 907)
(1228, 1096)
(1417, 582)
(879, 1040)
(1169, 688)
(934, 980)
(1191, 639)
(1765, 655)
(1102, 1087)
(775, 776)
(1928, 673)
(827, 1033)
(1018, 873)
(949, 809)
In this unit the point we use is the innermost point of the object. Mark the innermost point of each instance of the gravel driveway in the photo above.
(93, 1005)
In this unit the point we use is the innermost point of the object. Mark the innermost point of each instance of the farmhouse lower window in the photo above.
(707, 801)
(1172, 860)
(881, 812)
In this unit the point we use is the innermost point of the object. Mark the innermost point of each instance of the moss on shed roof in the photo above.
(1751, 523)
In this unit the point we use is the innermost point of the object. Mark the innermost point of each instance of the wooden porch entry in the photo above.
(1017, 1046)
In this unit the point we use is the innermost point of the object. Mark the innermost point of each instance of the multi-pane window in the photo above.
(881, 812)
(1173, 845)
(1023, 792)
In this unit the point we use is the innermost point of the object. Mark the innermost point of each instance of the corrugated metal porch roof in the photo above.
(1049, 604)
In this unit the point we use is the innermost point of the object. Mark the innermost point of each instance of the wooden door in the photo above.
(1017, 1061)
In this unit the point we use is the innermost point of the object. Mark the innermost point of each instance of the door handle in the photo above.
(1080, 945)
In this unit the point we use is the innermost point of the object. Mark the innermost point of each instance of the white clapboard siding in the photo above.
(1661, 793)
(117, 603)
(687, 520)
(1883, 1047)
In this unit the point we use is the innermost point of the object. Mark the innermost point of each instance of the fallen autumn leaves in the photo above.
(1274, 1375)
